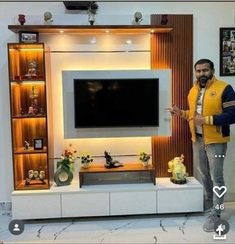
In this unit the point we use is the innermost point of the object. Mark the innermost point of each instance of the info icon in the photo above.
(16, 227)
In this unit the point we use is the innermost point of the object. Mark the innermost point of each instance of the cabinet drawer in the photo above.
(36, 206)
(85, 204)
(140, 202)
(179, 200)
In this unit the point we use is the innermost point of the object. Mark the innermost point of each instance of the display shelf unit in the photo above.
(28, 115)
(95, 29)
(98, 168)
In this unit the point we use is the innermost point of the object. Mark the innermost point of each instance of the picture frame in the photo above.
(227, 51)
(28, 37)
(38, 143)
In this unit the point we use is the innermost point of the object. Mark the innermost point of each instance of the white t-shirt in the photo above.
(199, 108)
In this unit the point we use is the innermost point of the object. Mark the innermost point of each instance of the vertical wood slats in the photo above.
(174, 51)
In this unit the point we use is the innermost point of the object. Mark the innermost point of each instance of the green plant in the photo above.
(144, 157)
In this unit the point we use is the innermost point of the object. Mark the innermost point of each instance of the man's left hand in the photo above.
(199, 119)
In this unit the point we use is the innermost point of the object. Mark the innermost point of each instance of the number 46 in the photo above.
(219, 207)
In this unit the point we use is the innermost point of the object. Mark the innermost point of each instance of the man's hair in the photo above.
(204, 61)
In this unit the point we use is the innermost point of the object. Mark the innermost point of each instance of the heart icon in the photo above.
(219, 191)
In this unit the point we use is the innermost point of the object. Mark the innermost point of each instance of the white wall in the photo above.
(207, 20)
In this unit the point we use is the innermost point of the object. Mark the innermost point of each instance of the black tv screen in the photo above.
(116, 102)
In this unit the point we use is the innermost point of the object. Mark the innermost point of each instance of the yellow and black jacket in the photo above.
(218, 108)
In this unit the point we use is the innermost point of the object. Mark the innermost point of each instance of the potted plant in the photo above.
(86, 159)
(65, 167)
(144, 158)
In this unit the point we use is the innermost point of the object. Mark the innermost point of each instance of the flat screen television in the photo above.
(116, 102)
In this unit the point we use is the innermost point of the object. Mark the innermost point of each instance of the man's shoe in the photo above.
(210, 223)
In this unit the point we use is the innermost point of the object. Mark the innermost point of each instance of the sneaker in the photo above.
(210, 223)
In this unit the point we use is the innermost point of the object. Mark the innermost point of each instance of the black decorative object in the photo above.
(80, 5)
(110, 163)
(227, 51)
(164, 19)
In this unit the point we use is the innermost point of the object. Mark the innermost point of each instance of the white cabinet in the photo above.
(39, 206)
(85, 204)
(106, 200)
(173, 198)
(139, 202)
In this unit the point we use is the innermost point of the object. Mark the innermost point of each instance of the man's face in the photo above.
(203, 72)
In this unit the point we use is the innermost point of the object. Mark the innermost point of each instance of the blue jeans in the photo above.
(208, 169)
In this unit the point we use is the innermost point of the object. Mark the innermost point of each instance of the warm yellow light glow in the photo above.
(29, 82)
(26, 49)
(61, 31)
(107, 31)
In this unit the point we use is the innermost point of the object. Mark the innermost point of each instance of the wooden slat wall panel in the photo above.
(174, 50)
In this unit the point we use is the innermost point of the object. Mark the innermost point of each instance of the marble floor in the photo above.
(177, 228)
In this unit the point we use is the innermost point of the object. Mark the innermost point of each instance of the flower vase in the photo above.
(85, 165)
(145, 163)
(64, 173)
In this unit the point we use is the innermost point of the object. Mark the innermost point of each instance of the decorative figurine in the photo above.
(137, 18)
(26, 145)
(178, 170)
(110, 163)
(35, 175)
(21, 112)
(32, 65)
(164, 19)
(92, 12)
(34, 108)
(42, 111)
(91, 18)
(48, 18)
(21, 18)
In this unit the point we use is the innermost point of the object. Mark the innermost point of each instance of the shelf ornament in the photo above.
(178, 170)
(86, 159)
(65, 167)
(144, 158)
(109, 162)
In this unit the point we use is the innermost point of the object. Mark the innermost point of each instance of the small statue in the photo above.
(21, 112)
(26, 145)
(110, 163)
(137, 18)
(178, 170)
(48, 18)
(32, 69)
(34, 108)
(164, 19)
(35, 175)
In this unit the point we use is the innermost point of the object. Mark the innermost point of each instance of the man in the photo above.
(211, 111)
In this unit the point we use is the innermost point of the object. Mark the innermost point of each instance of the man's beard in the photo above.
(203, 80)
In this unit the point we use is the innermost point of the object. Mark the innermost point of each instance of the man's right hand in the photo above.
(174, 110)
